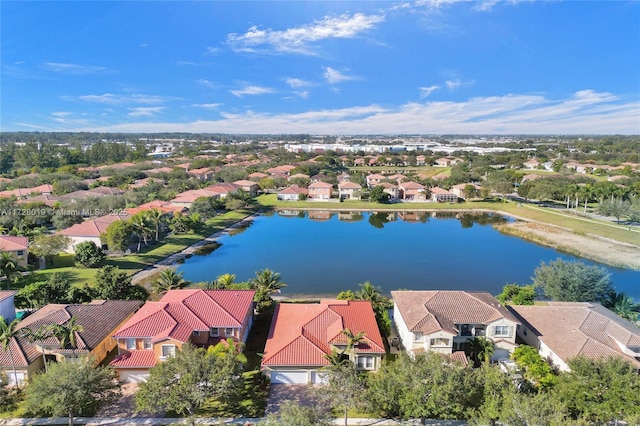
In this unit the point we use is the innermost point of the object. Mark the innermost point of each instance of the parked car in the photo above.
(509, 367)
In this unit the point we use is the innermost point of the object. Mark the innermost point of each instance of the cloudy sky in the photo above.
(329, 67)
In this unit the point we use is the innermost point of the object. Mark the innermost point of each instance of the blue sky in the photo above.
(428, 67)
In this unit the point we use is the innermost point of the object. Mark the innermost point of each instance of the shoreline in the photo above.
(548, 235)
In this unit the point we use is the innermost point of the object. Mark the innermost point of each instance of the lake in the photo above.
(323, 253)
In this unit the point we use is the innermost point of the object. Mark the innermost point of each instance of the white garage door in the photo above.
(319, 377)
(12, 379)
(298, 377)
(133, 376)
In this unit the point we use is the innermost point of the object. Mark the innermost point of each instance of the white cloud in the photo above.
(304, 94)
(252, 90)
(112, 99)
(333, 76)
(145, 111)
(585, 112)
(207, 83)
(298, 39)
(296, 83)
(209, 106)
(426, 91)
(453, 84)
(73, 68)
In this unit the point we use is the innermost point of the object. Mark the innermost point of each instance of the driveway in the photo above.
(278, 393)
(125, 406)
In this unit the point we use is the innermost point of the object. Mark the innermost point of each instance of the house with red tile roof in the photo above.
(390, 189)
(349, 191)
(199, 317)
(22, 193)
(257, 176)
(446, 321)
(412, 191)
(202, 174)
(98, 319)
(458, 190)
(222, 189)
(247, 186)
(90, 230)
(440, 195)
(292, 193)
(561, 331)
(302, 334)
(374, 179)
(185, 199)
(164, 206)
(320, 191)
(18, 247)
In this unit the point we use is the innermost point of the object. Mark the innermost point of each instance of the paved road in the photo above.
(210, 421)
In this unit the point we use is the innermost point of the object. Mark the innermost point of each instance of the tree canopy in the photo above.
(573, 281)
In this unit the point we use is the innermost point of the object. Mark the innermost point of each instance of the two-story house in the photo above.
(320, 191)
(302, 334)
(18, 247)
(349, 190)
(446, 321)
(199, 317)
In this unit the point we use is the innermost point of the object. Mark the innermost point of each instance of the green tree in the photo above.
(155, 217)
(344, 389)
(70, 388)
(41, 334)
(623, 306)
(292, 413)
(8, 333)
(377, 195)
(35, 295)
(118, 235)
(48, 246)
(8, 267)
(266, 283)
(572, 281)
(115, 284)
(600, 390)
(89, 255)
(481, 350)
(67, 334)
(141, 228)
(616, 208)
(168, 279)
(535, 368)
(517, 294)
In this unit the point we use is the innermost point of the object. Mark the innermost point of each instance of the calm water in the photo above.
(325, 253)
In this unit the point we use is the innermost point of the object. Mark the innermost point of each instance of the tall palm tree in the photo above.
(8, 267)
(66, 334)
(156, 217)
(169, 279)
(38, 336)
(225, 280)
(267, 281)
(8, 333)
(482, 350)
(352, 340)
(369, 292)
(141, 228)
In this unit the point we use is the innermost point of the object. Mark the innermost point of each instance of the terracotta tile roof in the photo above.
(461, 186)
(410, 185)
(193, 194)
(163, 206)
(93, 227)
(222, 188)
(430, 311)
(5, 294)
(10, 243)
(241, 183)
(293, 190)
(98, 320)
(461, 357)
(388, 185)
(349, 185)
(257, 175)
(320, 185)
(375, 176)
(180, 312)
(302, 333)
(588, 329)
(439, 191)
(135, 359)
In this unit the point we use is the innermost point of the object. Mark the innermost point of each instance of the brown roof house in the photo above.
(98, 319)
(561, 331)
(292, 193)
(349, 190)
(320, 191)
(446, 321)
(90, 230)
(412, 191)
(18, 247)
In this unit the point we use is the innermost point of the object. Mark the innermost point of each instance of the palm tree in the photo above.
(352, 340)
(369, 292)
(481, 350)
(169, 279)
(623, 305)
(8, 333)
(8, 267)
(38, 336)
(224, 281)
(140, 228)
(66, 334)
(156, 217)
(267, 281)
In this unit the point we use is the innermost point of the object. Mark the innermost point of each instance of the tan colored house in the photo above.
(390, 189)
(247, 186)
(98, 319)
(185, 199)
(440, 195)
(90, 230)
(320, 191)
(18, 247)
(349, 191)
(561, 331)
(302, 334)
(374, 179)
(292, 193)
(200, 317)
(412, 191)
(222, 189)
(445, 321)
(458, 190)
(202, 174)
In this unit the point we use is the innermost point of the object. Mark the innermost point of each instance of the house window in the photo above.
(130, 344)
(147, 343)
(365, 362)
(501, 330)
(168, 351)
(417, 337)
(214, 332)
(20, 252)
(196, 333)
(439, 341)
(228, 332)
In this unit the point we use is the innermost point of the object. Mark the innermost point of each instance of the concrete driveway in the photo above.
(278, 393)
